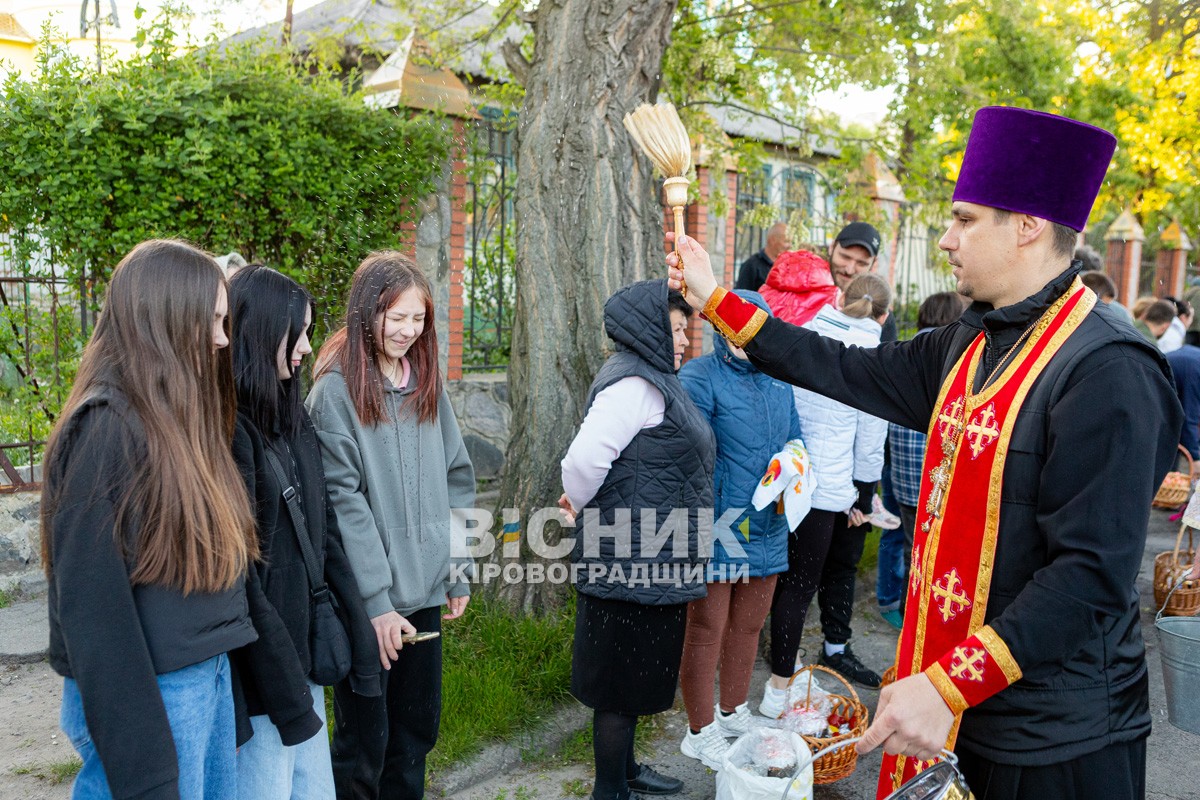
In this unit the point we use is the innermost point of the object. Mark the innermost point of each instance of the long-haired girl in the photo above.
(276, 448)
(147, 534)
(396, 466)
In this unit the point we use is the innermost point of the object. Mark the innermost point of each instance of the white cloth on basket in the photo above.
(790, 474)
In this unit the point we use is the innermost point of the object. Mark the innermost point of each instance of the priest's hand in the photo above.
(695, 268)
(912, 719)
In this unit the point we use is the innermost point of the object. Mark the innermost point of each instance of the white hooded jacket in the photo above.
(845, 444)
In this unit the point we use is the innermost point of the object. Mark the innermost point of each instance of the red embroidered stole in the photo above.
(944, 633)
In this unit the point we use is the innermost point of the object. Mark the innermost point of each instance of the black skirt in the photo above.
(626, 655)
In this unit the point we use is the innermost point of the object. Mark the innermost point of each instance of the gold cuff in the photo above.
(1000, 653)
(946, 688)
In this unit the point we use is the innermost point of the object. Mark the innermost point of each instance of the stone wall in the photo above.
(20, 539)
(481, 404)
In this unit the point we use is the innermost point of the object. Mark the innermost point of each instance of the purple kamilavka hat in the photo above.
(1034, 163)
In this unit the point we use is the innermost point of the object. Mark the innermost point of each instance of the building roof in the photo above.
(764, 127)
(11, 30)
(379, 26)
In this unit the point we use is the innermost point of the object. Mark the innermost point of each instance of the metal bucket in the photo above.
(942, 781)
(1179, 639)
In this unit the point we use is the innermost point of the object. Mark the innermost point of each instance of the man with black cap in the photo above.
(1051, 424)
(853, 252)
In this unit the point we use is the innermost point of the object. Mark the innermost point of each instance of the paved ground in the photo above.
(1173, 754)
(31, 743)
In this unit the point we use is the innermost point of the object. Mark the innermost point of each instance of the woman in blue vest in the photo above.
(753, 416)
(643, 446)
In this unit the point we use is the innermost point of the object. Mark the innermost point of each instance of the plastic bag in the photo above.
(740, 778)
(807, 721)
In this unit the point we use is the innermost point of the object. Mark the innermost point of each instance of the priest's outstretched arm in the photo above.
(897, 381)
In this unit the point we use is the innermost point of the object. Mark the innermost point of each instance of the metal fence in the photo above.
(489, 283)
(43, 324)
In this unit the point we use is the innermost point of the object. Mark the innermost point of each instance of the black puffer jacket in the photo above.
(667, 467)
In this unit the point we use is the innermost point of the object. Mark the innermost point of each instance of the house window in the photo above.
(753, 191)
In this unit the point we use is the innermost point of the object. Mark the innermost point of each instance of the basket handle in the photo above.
(946, 755)
(810, 669)
(1179, 541)
(1191, 463)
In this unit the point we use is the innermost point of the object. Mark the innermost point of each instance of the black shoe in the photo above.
(849, 667)
(650, 782)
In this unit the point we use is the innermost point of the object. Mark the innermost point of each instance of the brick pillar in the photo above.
(1169, 269)
(730, 227)
(408, 237)
(1171, 262)
(696, 226)
(456, 248)
(1123, 261)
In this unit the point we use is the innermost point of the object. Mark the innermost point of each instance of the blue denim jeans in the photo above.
(269, 770)
(890, 584)
(199, 704)
(895, 557)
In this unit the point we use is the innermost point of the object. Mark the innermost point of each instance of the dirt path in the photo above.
(30, 742)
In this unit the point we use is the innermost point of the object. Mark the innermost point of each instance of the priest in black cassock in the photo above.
(1051, 423)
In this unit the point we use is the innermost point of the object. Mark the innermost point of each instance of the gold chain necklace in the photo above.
(1016, 348)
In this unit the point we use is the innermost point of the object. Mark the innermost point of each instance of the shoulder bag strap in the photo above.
(315, 583)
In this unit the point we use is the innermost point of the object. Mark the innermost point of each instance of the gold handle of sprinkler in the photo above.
(676, 190)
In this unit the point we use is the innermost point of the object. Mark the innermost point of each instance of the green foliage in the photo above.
(500, 673)
(246, 148)
(242, 148)
(54, 772)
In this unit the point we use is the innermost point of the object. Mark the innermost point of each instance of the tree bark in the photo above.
(588, 222)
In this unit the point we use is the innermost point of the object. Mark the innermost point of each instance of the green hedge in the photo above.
(246, 148)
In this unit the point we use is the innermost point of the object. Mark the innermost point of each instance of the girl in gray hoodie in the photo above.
(395, 466)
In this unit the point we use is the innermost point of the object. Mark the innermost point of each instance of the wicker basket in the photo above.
(1168, 569)
(841, 762)
(889, 676)
(1176, 487)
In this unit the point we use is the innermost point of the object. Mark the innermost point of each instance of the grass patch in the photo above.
(500, 673)
(7, 598)
(54, 772)
(577, 748)
(576, 787)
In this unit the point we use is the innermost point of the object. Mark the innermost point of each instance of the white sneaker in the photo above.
(708, 746)
(882, 518)
(735, 724)
(774, 701)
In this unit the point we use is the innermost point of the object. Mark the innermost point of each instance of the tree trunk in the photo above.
(287, 24)
(588, 222)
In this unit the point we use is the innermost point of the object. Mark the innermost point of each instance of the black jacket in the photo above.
(668, 467)
(111, 637)
(274, 679)
(1089, 449)
(753, 272)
